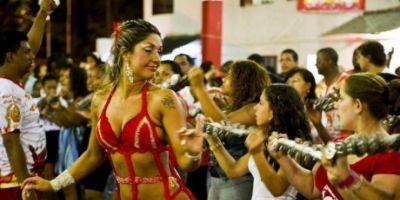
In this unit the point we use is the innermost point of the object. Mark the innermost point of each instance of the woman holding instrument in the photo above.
(279, 109)
(363, 102)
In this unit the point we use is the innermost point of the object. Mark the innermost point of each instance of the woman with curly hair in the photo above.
(242, 87)
(279, 109)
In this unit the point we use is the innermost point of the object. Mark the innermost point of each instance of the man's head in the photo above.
(16, 53)
(371, 53)
(327, 59)
(185, 62)
(289, 60)
(256, 58)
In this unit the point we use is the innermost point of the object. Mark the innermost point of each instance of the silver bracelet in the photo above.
(192, 157)
(61, 181)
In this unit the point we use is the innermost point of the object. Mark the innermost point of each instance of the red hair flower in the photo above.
(117, 29)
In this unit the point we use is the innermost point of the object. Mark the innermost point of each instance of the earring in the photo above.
(129, 73)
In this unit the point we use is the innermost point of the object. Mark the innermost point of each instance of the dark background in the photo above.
(90, 19)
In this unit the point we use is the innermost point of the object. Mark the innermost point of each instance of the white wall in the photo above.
(268, 29)
(265, 29)
(380, 4)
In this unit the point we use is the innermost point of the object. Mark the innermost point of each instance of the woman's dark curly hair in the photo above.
(289, 115)
(248, 79)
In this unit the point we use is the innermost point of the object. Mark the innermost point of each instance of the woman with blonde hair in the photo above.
(135, 121)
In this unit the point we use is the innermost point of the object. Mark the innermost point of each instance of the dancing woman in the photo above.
(134, 122)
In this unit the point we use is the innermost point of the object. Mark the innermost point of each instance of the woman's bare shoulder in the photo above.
(161, 96)
(160, 92)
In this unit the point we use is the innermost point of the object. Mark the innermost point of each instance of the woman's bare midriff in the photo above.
(144, 166)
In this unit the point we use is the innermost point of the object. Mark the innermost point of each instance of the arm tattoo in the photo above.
(168, 102)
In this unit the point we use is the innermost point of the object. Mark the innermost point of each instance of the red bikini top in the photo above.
(139, 134)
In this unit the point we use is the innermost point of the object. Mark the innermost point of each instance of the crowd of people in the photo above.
(133, 128)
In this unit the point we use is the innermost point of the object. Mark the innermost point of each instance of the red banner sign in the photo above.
(330, 5)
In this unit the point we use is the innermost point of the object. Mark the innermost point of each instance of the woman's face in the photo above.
(226, 87)
(346, 110)
(263, 111)
(300, 85)
(144, 59)
(163, 73)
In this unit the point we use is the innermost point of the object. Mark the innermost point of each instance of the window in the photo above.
(254, 2)
(246, 2)
(163, 6)
(270, 62)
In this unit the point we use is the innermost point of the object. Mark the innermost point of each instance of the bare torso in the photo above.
(119, 112)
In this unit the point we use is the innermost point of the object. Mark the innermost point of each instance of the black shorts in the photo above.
(52, 146)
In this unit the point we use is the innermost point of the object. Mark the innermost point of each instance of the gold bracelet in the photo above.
(215, 147)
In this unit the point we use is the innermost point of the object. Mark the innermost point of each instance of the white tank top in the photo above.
(261, 192)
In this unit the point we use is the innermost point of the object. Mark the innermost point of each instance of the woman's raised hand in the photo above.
(48, 6)
(255, 141)
(196, 77)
